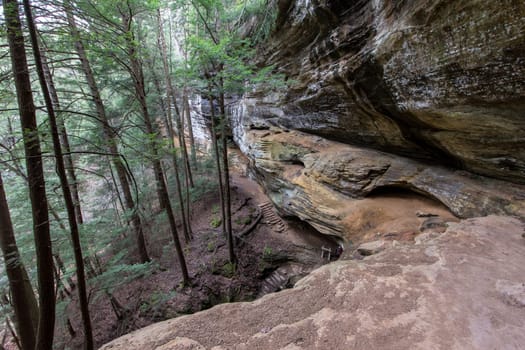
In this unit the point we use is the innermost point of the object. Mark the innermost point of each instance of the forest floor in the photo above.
(275, 248)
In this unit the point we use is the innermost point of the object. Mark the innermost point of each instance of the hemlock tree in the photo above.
(23, 298)
(66, 190)
(110, 136)
(137, 75)
(35, 174)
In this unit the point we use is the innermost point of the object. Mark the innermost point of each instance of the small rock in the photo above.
(422, 214)
(371, 248)
(435, 224)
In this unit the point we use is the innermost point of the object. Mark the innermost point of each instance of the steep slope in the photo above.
(462, 289)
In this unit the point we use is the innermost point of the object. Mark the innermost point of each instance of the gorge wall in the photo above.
(424, 96)
(388, 100)
(428, 79)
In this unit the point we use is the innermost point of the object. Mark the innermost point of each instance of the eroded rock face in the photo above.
(428, 79)
(339, 189)
(462, 289)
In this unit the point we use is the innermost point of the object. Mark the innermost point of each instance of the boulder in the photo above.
(371, 248)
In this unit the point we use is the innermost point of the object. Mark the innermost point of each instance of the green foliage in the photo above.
(228, 269)
(215, 222)
(265, 15)
(243, 220)
(155, 305)
(267, 252)
(119, 273)
(226, 53)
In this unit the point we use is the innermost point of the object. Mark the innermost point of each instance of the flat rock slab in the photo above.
(463, 289)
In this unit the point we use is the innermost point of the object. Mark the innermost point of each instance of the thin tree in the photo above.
(218, 81)
(185, 209)
(64, 138)
(226, 173)
(22, 296)
(66, 190)
(35, 174)
(215, 147)
(137, 76)
(111, 138)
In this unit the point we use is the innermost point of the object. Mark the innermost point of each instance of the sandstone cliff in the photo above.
(404, 95)
(429, 79)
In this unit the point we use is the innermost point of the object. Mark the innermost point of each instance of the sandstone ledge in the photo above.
(463, 289)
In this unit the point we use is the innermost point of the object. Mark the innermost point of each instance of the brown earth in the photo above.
(157, 295)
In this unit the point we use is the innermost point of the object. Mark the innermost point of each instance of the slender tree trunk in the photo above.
(68, 160)
(24, 300)
(137, 76)
(187, 112)
(173, 99)
(35, 174)
(110, 137)
(226, 169)
(66, 190)
(186, 224)
(215, 145)
(61, 269)
(140, 92)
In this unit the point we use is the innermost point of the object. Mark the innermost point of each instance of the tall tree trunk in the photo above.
(186, 224)
(171, 94)
(215, 145)
(110, 137)
(187, 112)
(23, 297)
(61, 172)
(35, 174)
(226, 170)
(140, 92)
(68, 159)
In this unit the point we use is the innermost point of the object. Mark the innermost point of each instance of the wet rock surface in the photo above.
(417, 296)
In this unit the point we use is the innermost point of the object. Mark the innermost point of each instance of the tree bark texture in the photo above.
(23, 298)
(66, 190)
(35, 174)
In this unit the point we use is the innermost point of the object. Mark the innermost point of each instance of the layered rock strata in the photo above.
(428, 79)
(333, 186)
